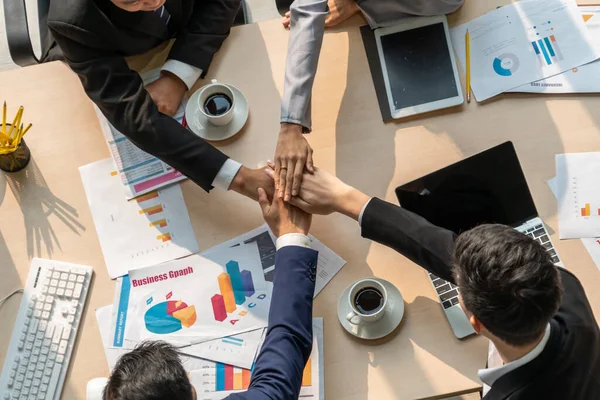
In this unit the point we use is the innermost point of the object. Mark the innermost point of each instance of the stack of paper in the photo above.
(139, 171)
(524, 42)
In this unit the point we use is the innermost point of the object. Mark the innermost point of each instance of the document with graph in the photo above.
(151, 229)
(192, 300)
(578, 194)
(524, 42)
(583, 79)
(216, 382)
(139, 171)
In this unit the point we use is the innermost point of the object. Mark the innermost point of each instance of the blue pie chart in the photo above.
(158, 320)
(506, 64)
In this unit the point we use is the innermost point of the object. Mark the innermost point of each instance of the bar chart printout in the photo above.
(219, 381)
(578, 194)
(148, 230)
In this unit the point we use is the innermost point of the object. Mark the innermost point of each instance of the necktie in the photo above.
(164, 15)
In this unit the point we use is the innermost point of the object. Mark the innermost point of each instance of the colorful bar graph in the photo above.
(556, 48)
(161, 222)
(549, 46)
(218, 305)
(152, 210)
(237, 381)
(233, 269)
(247, 283)
(307, 374)
(220, 377)
(588, 211)
(147, 196)
(599, 211)
(165, 237)
(228, 377)
(545, 52)
(227, 292)
(245, 378)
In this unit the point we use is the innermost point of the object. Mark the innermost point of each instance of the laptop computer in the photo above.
(489, 187)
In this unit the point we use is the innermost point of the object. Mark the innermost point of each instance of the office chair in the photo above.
(17, 34)
(283, 6)
(19, 40)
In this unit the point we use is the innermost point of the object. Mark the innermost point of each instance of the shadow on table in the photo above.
(37, 204)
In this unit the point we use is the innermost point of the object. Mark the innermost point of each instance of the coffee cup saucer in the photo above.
(394, 311)
(198, 123)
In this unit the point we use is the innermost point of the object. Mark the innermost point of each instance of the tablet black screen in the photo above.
(419, 66)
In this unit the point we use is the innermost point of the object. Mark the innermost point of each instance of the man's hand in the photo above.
(247, 181)
(323, 193)
(282, 217)
(292, 154)
(339, 11)
(167, 93)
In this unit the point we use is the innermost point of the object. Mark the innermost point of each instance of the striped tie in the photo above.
(164, 15)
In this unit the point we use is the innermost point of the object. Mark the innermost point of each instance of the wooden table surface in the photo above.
(44, 210)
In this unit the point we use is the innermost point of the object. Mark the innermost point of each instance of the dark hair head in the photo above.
(152, 371)
(508, 281)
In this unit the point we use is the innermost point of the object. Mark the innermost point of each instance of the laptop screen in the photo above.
(488, 187)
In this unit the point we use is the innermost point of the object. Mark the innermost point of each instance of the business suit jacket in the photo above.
(96, 36)
(278, 369)
(307, 27)
(569, 366)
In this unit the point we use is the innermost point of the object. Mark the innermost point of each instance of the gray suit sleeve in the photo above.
(307, 26)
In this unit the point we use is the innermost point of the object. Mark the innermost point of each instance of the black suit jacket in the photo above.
(569, 366)
(96, 36)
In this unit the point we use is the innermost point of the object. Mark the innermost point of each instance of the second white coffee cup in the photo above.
(212, 89)
(363, 299)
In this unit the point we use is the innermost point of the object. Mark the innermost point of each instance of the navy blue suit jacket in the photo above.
(278, 369)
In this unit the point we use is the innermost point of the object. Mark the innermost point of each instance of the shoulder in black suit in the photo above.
(569, 366)
(95, 36)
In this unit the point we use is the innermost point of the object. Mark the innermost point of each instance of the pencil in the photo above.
(12, 127)
(468, 47)
(4, 118)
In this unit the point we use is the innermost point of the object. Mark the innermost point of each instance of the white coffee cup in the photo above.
(213, 88)
(356, 316)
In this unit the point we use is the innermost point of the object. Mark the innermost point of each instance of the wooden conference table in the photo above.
(44, 211)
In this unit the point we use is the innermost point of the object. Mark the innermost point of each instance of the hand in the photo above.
(167, 93)
(323, 193)
(339, 11)
(247, 181)
(282, 217)
(292, 154)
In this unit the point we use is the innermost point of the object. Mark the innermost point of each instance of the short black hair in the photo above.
(152, 371)
(508, 281)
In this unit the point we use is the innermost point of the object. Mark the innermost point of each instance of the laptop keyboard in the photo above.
(448, 292)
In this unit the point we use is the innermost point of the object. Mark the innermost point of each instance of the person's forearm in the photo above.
(351, 202)
(307, 26)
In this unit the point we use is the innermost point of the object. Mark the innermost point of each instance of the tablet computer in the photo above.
(419, 68)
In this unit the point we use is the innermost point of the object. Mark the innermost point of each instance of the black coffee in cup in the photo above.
(368, 300)
(217, 104)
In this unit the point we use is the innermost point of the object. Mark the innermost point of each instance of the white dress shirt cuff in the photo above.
(226, 174)
(186, 72)
(360, 216)
(293, 239)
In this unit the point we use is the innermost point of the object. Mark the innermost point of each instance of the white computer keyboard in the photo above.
(46, 327)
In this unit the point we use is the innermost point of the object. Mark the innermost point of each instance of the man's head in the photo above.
(152, 371)
(507, 282)
(138, 5)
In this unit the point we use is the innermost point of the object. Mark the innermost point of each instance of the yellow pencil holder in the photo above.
(16, 160)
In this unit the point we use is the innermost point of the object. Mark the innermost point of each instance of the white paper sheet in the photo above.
(130, 237)
(523, 42)
(209, 384)
(329, 263)
(583, 79)
(139, 171)
(592, 245)
(578, 190)
(192, 300)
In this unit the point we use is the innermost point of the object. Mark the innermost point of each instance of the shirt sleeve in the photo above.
(360, 216)
(186, 72)
(226, 174)
(307, 27)
(293, 239)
